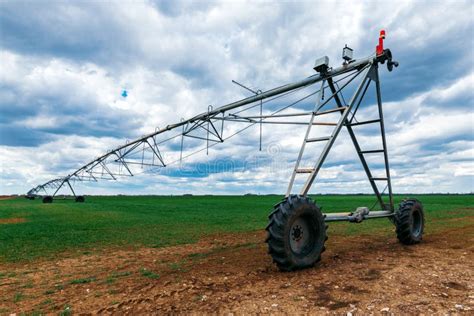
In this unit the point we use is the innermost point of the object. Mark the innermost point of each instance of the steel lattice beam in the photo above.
(147, 151)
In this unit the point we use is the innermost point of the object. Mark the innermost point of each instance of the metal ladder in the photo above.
(307, 140)
(343, 121)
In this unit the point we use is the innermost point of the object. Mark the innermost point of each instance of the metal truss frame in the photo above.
(209, 127)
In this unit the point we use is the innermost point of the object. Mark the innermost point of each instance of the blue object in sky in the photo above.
(124, 93)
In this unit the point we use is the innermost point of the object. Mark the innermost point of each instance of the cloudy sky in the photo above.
(64, 66)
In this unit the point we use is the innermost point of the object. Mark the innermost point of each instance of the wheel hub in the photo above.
(297, 233)
(299, 236)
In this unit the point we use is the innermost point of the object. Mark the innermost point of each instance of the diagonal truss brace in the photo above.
(369, 74)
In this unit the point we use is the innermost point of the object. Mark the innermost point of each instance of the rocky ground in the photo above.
(370, 274)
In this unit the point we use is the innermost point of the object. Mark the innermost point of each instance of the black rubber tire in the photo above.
(410, 221)
(47, 199)
(80, 199)
(283, 236)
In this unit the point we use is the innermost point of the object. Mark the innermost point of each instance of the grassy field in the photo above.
(30, 229)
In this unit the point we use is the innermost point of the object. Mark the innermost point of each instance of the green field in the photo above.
(64, 228)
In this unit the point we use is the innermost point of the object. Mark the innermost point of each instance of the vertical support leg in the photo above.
(143, 154)
(182, 143)
(222, 128)
(261, 120)
(384, 141)
(207, 139)
(209, 109)
(356, 143)
(59, 187)
(70, 187)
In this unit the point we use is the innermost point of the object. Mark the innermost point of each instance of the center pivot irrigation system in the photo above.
(296, 229)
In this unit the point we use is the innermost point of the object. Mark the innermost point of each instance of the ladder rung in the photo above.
(364, 122)
(318, 139)
(325, 124)
(342, 108)
(379, 179)
(304, 170)
(372, 151)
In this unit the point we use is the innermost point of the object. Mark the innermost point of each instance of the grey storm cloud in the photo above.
(79, 32)
(64, 66)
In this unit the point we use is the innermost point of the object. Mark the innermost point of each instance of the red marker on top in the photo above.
(379, 48)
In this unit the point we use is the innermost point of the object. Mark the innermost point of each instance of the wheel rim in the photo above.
(416, 223)
(301, 236)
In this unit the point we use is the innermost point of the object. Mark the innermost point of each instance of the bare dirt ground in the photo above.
(12, 220)
(233, 273)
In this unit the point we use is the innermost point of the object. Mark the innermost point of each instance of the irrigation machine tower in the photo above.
(297, 226)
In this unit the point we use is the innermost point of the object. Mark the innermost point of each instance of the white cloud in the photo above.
(174, 64)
